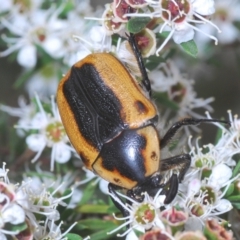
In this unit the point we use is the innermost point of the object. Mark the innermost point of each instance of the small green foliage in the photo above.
(190, 48)
(94, 208)
(234, 198)
(229, 190)
(236, 170)
(95, 224)
(136, 25)
(72, 236)
(163, 99)
(163, 34)
(19, 227)
(236, 205)
(88, 193)
(153, 62)
(24, 77)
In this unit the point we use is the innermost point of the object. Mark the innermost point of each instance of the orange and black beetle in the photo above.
(110, 121)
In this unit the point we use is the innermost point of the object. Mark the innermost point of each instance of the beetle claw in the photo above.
(171, 189)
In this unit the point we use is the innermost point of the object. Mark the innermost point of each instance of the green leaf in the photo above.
(170, 53)
(67, 192)
(23, 78)
(69, 6)
(136, 25)
(234, 198)
(92, 208)
(236, 169)
(162, 34)
(230, 190)
(73, 236)
(95, 224)
(103, 235)
(43, 57)
(61, 208)
(88, 192)
(153, 62)
(209, 234)
(138, 233)
(236, 205)
(163, 99)
(218, 135)
(190, 48)
(19, 227)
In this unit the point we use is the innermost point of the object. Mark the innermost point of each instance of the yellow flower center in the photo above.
(55, 131)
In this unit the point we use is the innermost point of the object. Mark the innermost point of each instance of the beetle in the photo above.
(111, 121)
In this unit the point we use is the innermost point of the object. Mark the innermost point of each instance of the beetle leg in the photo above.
(116, 199)
(170, 189)
(186, 121)
(145, 80)
(181, 163)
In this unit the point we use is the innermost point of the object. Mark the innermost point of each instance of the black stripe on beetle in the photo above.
(95, 107)
(124, 155)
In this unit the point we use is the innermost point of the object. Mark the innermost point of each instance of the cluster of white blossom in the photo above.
(31, 26)
(181, 19)
(43, 128)
(29, 210)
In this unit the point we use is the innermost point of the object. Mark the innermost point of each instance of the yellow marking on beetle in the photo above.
(113, 176)
(86, 151)
(151, 153)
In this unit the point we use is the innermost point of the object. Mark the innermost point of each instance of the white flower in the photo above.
(24, 113)
(27, 56)
(221, 173)
(36, 27)
(74, 50)
(3, 173)
(51, 231)
(227, 12)
(207, 181)
(142, 215)
(230, 138)
(44, 82)
(208, 156)
(168, 79)
(103, 184)
(6, 6)
(180, 18)
(10, 212)
(95, 40)
(50, 133)
(13, 214)
(205, 198)
(40, 200)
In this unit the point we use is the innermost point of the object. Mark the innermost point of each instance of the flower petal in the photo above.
(203, 7)
(53, 46)
(183, 33)
(36, 142)
(62, 154)
(220, 175)
(14, 214)
(27, 56)
(224, 205)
